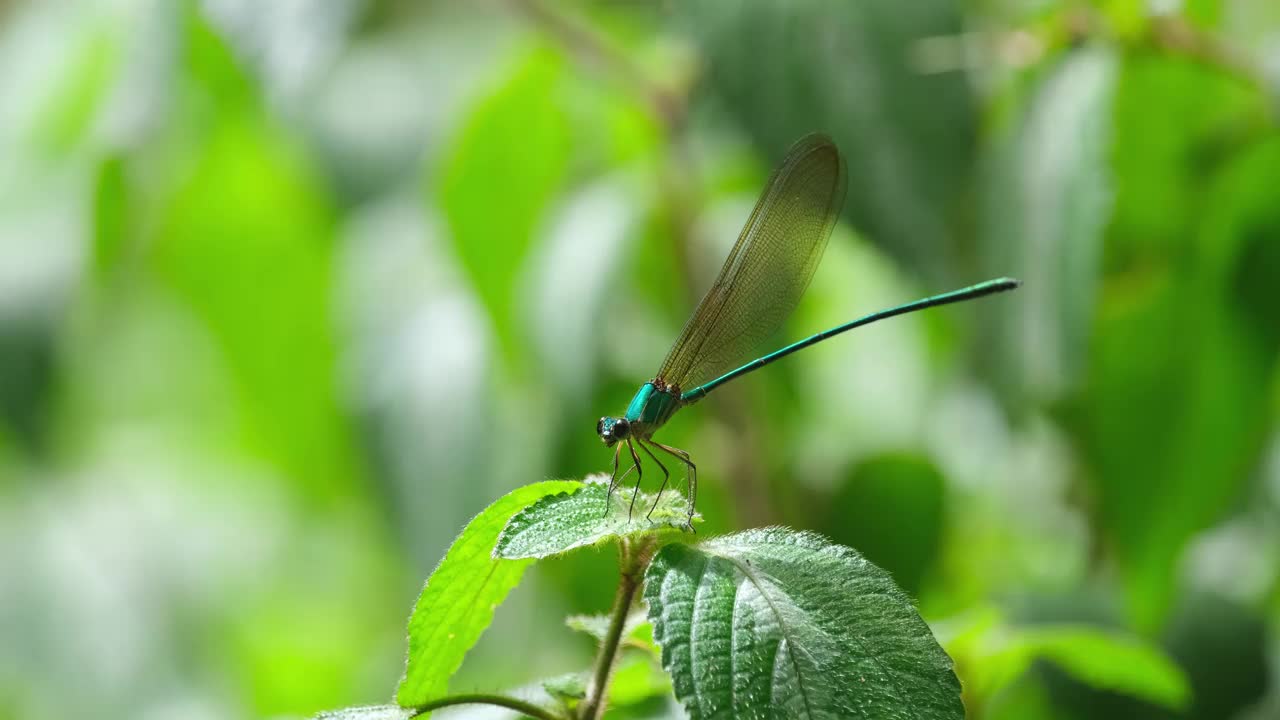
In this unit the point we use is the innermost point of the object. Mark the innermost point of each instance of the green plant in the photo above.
(761, 623)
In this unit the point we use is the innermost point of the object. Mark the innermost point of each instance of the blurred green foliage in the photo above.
(288, 295)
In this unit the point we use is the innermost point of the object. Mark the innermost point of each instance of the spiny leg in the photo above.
(613, 479)
(665, 477)
(639, 476)
(692, 474)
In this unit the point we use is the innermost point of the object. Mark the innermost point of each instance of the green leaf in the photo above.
(577, 518)
(111, 214)
(500, 178)
(246, 243)
(458, 601)
(1195, 207)
(887, 85)
(637, 680)
(992, 655)
(1110, 662)
(776, 623)
(367, 712)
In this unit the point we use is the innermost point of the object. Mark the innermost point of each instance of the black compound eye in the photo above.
(600, 426)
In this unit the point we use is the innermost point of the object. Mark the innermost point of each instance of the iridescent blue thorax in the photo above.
(654, 403)
(651, 407)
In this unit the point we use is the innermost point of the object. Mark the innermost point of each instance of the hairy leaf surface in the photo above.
(779, 624)
(458, 601)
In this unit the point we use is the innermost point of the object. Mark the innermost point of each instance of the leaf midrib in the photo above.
(749, 573)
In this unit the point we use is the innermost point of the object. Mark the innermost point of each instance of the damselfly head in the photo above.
(613, 429)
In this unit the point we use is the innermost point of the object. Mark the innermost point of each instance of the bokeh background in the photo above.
(290, 290)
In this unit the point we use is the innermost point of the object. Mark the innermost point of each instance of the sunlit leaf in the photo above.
(636, 680)
(586, 515)
(775, 623)
(458, 601)
(245, 242)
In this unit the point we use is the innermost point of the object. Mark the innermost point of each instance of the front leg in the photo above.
(639, 476)
(616, 479)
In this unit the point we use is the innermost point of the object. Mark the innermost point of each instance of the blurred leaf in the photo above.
(111, 214)
(885, 84)
(567, 688)
(1173, 120)
(585, 515)
(1227, 651)
(1127, 18)
(215, 76)
(78, 97)
(992, 655)
(1243, 230)
(458, 601)
(637, 680)
(891, 510)
(246, 241)
(784, 620)
(367, 712)
(500, 177)
(27, 381)
(1173, 424)
(1024, 700)
(575, 278)
(1047, 204)
(1109, 662)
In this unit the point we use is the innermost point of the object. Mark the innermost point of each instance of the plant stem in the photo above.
(632, 561)
(510, 703)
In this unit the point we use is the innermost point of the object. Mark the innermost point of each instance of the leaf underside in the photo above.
(367, 712)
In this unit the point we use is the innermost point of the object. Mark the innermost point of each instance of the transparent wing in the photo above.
(768, 269)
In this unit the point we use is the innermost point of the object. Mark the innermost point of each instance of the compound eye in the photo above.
(622, 427)
(600, 426)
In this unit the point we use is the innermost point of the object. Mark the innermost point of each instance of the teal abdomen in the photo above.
(651, 407)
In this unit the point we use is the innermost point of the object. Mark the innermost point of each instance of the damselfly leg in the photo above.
(691, 471)
(616, 479)
(639, 476)
(666, 476)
